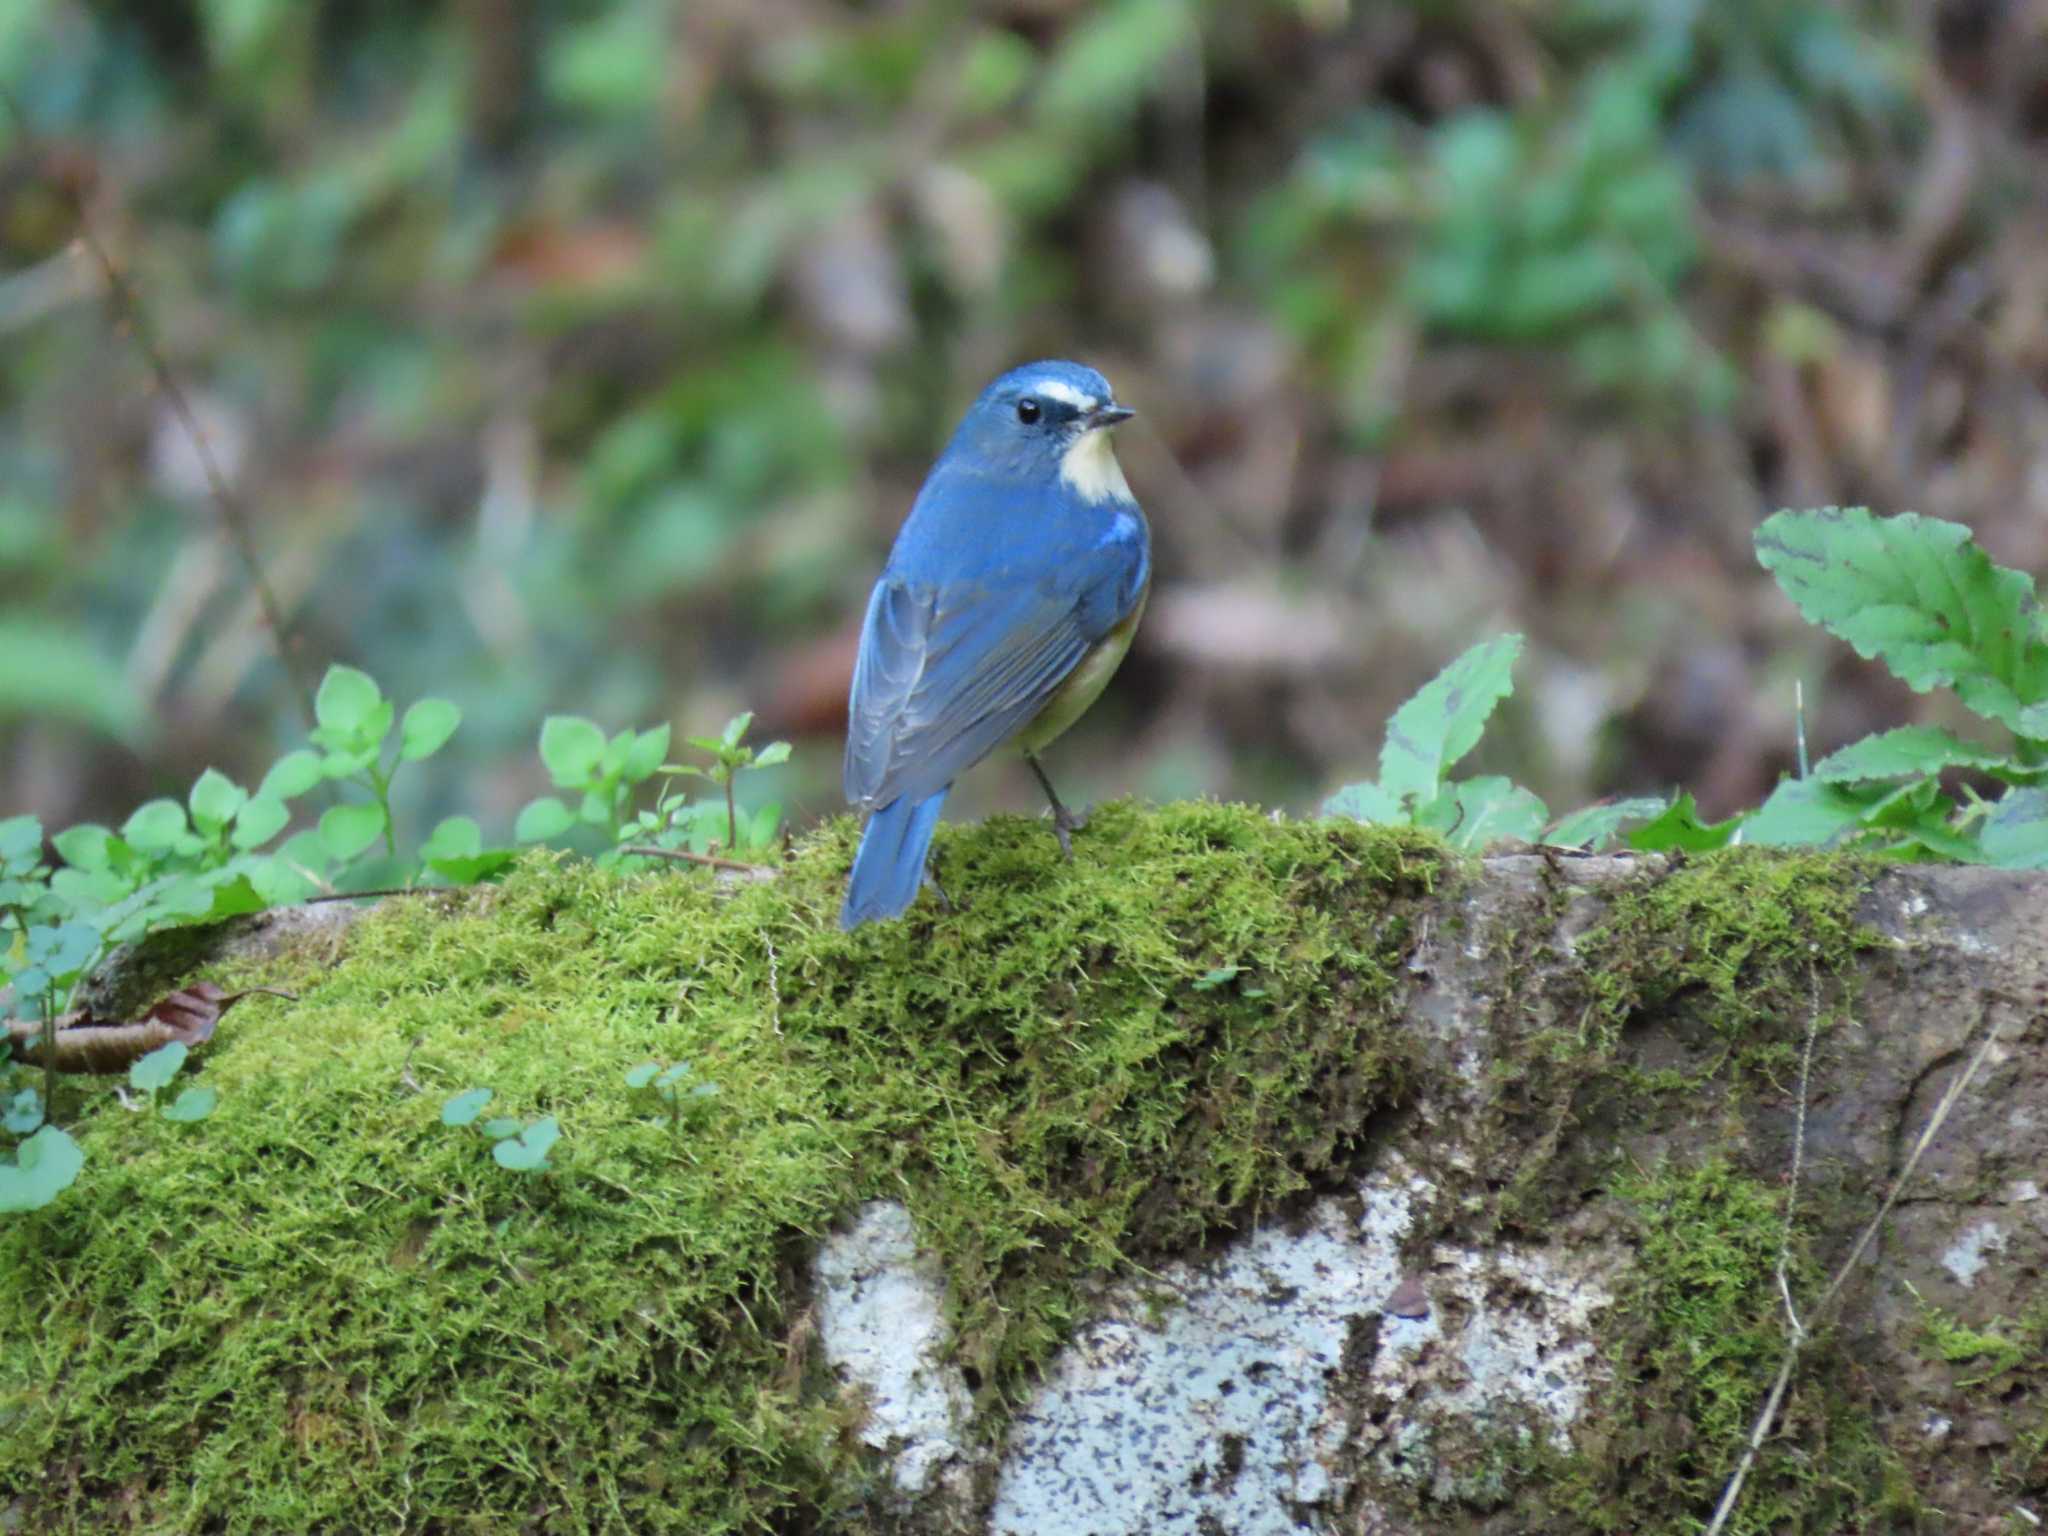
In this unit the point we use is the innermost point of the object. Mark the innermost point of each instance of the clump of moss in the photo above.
(1701, 1340)
(323, 1309)
(1749, 929)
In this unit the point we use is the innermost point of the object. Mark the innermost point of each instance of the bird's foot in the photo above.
(946, 903)
(1065, 824)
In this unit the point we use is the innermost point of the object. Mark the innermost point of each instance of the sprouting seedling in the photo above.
(728, 758)
(672, 1086)
(153, 1073)
(520, 1145)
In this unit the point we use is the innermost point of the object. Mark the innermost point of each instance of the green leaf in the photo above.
(87, 846)
(1681, 829)
(1597, 825)
(155, 827)
(457, 837)
(63, 950)
(1209, 981)
(571, 747)
(2033, 722)
(644, 757)
(775, 752)
(735, 729)
(465, 1106)
(499, 1127)
(1444, 720)
(2015, 834)
(215, 798)
(291, 776)
(542, 819)
(193, 1104)
(1477, 813)
(44, 1167)
(346, 705)
(24, 1113)
(260, 819)
(1806, 813)
(155, 1071)
(347, 830)
(21, 840)
(1908, 751)
(642, 1075)
(456, 852)
(426, 729)
(1369, 803)
(1917, 593)
(529, 1149)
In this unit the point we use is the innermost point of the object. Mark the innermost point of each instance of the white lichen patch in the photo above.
(881, 1322)
(1224, 1396)
(1966, 1258)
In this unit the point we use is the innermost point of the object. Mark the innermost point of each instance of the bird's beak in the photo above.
(1107, 416)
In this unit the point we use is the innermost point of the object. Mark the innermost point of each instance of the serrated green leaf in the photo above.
(346, 830)
(645, 754)
(1909, 751)
(735, 729)
(346, 705)
(2015, 833)
(775, 752)
(1806, 813)
(1367, 802)
(465, 1106)
(426, 728)
(1444, 720)
(195, 1103)
(155, 827)
(541, 819)
(1597, 825)
(1919, 595)
(291, 776)
(155, 1071)
(259, 820)
(2033, 722)
(214, 800)
(1681, 829)
(87, 846)
(571, 747)
(1477, 813)
(44, 1167)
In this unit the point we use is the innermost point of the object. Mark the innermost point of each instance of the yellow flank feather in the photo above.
(1085, 683)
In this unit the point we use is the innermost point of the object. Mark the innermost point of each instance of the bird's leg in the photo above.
(946, 903)
(1064, 822)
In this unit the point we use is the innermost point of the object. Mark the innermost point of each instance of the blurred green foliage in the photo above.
(583, 353)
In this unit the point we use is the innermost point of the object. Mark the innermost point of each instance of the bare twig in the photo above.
(709, 860)
(1797, 1333)
(234, 520)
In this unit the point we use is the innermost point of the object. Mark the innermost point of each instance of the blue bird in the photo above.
(1011, 594)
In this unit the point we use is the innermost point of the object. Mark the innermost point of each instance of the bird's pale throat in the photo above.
(1089, 469)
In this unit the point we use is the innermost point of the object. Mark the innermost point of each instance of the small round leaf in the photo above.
(194, 1103)
(426, 728)
(347, 699)
(465, 1106)
(347, 830)
(155, 1071)
(543, 818)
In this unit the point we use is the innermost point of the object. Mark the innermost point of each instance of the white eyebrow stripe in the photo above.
(1053, 389)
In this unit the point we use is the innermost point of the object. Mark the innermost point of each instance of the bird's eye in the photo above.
(1027, 411)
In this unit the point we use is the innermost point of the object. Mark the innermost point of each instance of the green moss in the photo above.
(1749, 930)
(323, 1309)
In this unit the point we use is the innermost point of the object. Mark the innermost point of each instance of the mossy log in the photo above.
(1245, 1175)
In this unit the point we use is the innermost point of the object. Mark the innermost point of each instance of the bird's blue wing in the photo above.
(948, 671)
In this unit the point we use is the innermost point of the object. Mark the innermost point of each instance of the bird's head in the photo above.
(1046, 421)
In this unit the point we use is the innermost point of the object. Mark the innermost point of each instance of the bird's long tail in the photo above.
(890, 865)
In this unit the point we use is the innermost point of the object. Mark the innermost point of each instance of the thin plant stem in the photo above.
(234, 520)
